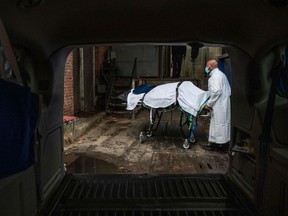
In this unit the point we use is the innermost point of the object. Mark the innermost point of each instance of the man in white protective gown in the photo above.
(219, 106)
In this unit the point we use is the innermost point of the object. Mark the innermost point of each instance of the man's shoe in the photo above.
(209, 147)
(216, 147)
(223, 147)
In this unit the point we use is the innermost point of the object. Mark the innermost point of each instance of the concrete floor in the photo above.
(113, 146)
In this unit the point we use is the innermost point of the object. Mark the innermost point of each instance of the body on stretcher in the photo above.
(182, 96)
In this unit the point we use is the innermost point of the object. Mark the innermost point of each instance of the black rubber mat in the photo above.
(197, 195)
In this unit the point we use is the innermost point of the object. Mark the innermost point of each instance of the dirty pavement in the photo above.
(112, 145)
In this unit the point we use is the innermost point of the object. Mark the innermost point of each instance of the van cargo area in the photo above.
(151, 195)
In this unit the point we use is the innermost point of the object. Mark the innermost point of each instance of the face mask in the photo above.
(207, 71)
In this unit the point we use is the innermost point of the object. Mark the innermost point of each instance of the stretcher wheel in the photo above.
(186, 144)
(141, 137)
(149, 134)
(193, 140)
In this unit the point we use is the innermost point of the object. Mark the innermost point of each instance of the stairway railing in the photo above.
(134, 71)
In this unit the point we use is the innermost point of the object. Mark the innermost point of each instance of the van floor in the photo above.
(151, 195)
(113, 147)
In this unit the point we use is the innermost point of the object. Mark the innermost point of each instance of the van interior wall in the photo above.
(50, 165)
(24, 191)
(277, 156)
(18, 194)
(251, 82)
(242, 166)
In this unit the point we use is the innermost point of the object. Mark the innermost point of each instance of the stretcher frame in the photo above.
(155, 115)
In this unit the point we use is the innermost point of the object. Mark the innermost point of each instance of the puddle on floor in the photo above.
(85, 165)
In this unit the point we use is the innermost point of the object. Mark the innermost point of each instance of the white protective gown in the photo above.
(220, 91)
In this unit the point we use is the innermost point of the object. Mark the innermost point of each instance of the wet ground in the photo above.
(113, 146)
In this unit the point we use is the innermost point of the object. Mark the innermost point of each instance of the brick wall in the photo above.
(72, 93)
(69, 86)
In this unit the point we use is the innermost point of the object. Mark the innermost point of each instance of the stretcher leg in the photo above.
(192, 138)
(155, 118)
(191, 122)
(142, 137)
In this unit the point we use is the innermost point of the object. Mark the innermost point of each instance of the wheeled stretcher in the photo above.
(183, 96)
